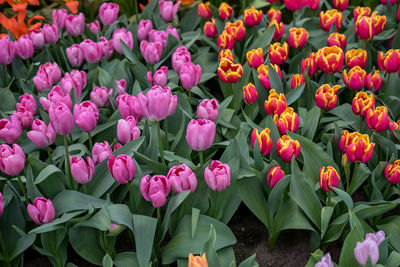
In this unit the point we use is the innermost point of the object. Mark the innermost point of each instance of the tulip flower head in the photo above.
(369, 248)
(81, 171)
(86, 116)
(378, 119)
(293, 5)
(12, 160)
(158, 103)
(42, 211)
(226, 40)
(274, 14)
(168, 10)
(42, 135)
(100, 152)
(210, 29)
(61, 118)
(297, 37)
(100, 96)
(108, 13)
(355, 78)
(263, 74)
(226, 54)
(91, 51)
(392, 172)
(129, 105)
(200, 134)
(182, 178)
(218, 177)
(74, 55)
(288, 120)
(236, 29)
(144, 27)
(127, 129)
(275, 174)
(197, 261)
(190, 75)
(228, 71)
(250, 94)
(330, 17)
(360, 11)
(312, 4)
(151, 51)
(155, 190)
(275, 104)
(325, 261)
(180, 57)
(25, 116)
(263, 139)
(340, 5)
(160, 77)
(286, 148)
(364, 28)
(252, 16)
(74, 79)
(356, 57)
(373, 81)
(255, 57)
(326, 97)
(390, 62)
(278, 53)
(330, 59)
(337, 39)
(208, 109)
(122, 168)
(309, 63)
(297, 80)
(225, 11)
(279, 29)
(362, 102)
(75, 24)
(328, 178)
(359, 148)
(125, 36)
(204, 11)
(10, 130)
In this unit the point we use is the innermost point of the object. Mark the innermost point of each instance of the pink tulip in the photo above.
(200, 134)
(7, 51)
(125, 36)
(151, 51)
(117, 146)
(10, 131)
(173, 31)
(218, 178)
(155, 190)
(42, 211)
(75, 79)
(47, 75)
(100, 152)
(61, 118)
(94, 27)
(12, 160)
(144, 27)
(25, 116)
(74, 55)
(122, 168)
(92, 52)
(121, 86)
(208, 110)
(1, 204)
(127, 129)
(81, 171)
(75, 24)
(59, 16)
(24, 47)
(160, 77)
(99, 96)
(368, 249)
(159, 36)
(41, 134)
(180, 57)
(37, 38)
(108, 13)
(56, 95)
(129, 105)
(158, 103)
(182, 178)
(190, 75)
(86, 116)
(168, 10)
(50, 33)
(28, 101)
(106, 47)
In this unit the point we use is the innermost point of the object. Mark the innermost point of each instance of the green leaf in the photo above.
(149, 10)
(264, 39)
(23, 243)
(209, 249)
(360, 174)
(55, 223)
(345, 197)
(124, 259)
(294, 94)
(249, 262)
(326, 214)
(120, 214)
(7, 102)
(128, 53)
(84, 240)
(52, 180)
(311, 123)
(393, 260)
(69, 200)
(107, 261)
(347, 256)
(275, 80)
(145, 228)
(195, 220)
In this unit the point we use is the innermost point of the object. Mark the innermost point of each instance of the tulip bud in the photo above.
(225, 11)
(328, 178)
(338, 40)
(297, 37)
(286, 148)
(210, 29)
(274, 14)
(75, 79)
(390, 62)
(394, 126)
(56, 95)
(378, 119)
(37, 38)
(255, 57)
(58, 17)
(368, 249)
(50, 33)
(42, 211)
(100, 152)
(228, 72)
(144, 27)
(160, 77)
(151, 51)
(325, 261)
(180, 57)
(197, 261)
(360, 148)
(200, 134)
(99, 96)
(378, 22)
(117, 146)
(208, 110)
(12, 160)
(355, 79)
(309, 63)
(91, 51)
(340, 5)
(129, 105)
(275, 174)
(125, 36)
(275, 104)
(236, 29)
(330, 59)
(288, 120)
(273, 1)
(279, 29)
(158, 103)
(75, 24)
(94, 27)
(168, 10)
(250, 94)
(293, 5)
(226, 40)
(155, 190)
(345, 139)
(263, 75)
(121, 86)
(398, 14)
(263, 139)
(106, 47)
(159, 36)
(182, 178)
(356, 57)
(108, 13)
(25, 116)
(24, 47)
(218, 177)
(362, 102)
(312, 4)
(326, 19)
(41, 134)
(75, 55)
(47, 75)
(373, 81)
(127, 129)
(226, 54)
(172, 31)
(297, 80)
(86, 116)
(28, 101)
(252, 16)
(10, 131)
(326, 97)
(81, 171)
(61, 118)
(278, 54)
(122, 168)
(204, 11)
(190, 75)
(392, 172)
(364, 28)
(360, 11)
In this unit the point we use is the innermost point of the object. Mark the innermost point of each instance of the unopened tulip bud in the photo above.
(108, 13)
(42, 135)
(225, 11)
(250, 94)
(204, 10)
(125, 36)
(392, 172)
(373, 82)
(144, 27)
(288, 120)
(10, 130)
(378, 119)
(100, 96)
(75, 24)
(12, 160)
(263, 139)
(155, 190)
(42, 211)
(328, 178)
(252, 16)
(74, 55)
(356, 57)
(200, 134)
(151, 51)
(286, 148)
(208, 109)
(81, 171)
(190, 75)
(297, 37)
(218, 177)
(210, 29)
(330, 17)
(122, 168)
(100, 152)
(297, 80)
(168, 10)
(158, 103)
(275, 174)
(61, 118)
(182, 178)
(127, 129)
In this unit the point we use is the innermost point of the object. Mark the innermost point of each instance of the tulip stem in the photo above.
(329, 198)
(215, 205)
(361, 123)
(68, 169)
(166, 132)
(136, 10)
(132, 202)
(3, 248)
(386, 191)
(201, 158)
(4, 67)
(190, 97)
(85, 189)
(364, 44)
(22, 188)
(331, 78)
(90, 141)
(159, 219)
(49, 153)
(347, 173)
(160, 145)
(386, 86)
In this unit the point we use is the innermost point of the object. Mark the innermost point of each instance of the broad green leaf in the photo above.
(347, 256)
(124, 259)
(145, 229)
(69, 200)
(84, 240)
(345, 197)
(249, 262)
(7, 102)
(209, 249)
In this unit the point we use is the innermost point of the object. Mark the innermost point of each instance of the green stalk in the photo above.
(132, 202)
(166, 132)
(136, 10)
(160, 145)
(85, 189)
(3, 248)
(5, 75)
(190, 97)
(329, 198)
(50, 156)
(68, 169)
(361, 123)
(21, 185)
(347, 173)
(215, 205)
(90, 141)
(386, 191)
(386, 86)
(201, 158)
(364, 45)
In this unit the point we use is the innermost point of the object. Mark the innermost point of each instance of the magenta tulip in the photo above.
(47, 75)
(127, 129)
(129, 105)
(99, 96)
(42, 211)
(56, 95)
(190, 75)
(74, 55)
(159, 36)
(180, 57)
(208, 109)
(173, 31)
(168, 10)
(158, 103)
(10, 131)
(75, 79)
(125, 36)
(75, 24)
(121, 86)
(7, 51)
(144, 27)
(25, 116)
(81, 171)
(106, 47)
(12, 160)
(28, 101)
(117, 146)
(100, 152)
(61, 118)
(41, 134)
(108, 13)
(94, 27)
(24, 47)
(200, 134)
(155, 190)
(218, 178)
(182, 178)
(92, 52)
(59, 16)
(151, 51)
(86, 116)
(122, 168)
(37, 38)
(160, 77)
(50, 33)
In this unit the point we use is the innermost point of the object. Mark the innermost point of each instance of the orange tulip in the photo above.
(255, 57)
(356, 57)
(330, 59)
(197, 261)
(326, 97)
(278, 53)
(326, 19)
(236, 29)
(275, 104)
(228, 71)
(297, 37)
(338, 40)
